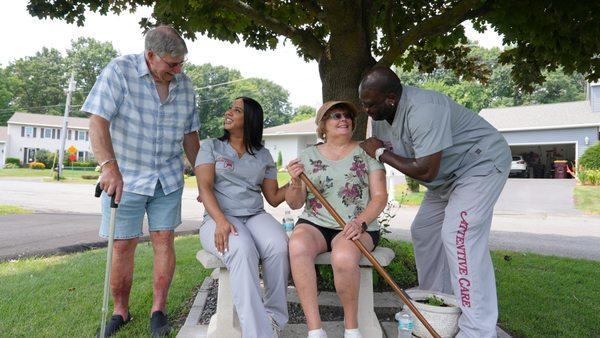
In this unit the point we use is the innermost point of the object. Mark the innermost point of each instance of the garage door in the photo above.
(540, 158)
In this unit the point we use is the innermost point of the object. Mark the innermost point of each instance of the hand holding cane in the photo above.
(403, 295)
(109, 253)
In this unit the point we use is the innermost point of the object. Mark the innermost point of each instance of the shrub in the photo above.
(37, 165)
(45, 156)
(591, 158)
(412, 184)
(90, 177)
(11, 166)
(13, 160)
(82, 164)
(588, 177)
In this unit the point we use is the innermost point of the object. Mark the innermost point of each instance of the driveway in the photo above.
(537, 196)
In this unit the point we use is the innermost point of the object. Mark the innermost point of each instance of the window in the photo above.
(81, 156)
(80, 135)
(69, 133)
(47, 133)
(29, 132)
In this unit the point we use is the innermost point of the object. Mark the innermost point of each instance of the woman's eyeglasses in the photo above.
(338, 116)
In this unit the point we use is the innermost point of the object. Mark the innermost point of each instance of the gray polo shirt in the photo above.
(238, 181)
(427, 122)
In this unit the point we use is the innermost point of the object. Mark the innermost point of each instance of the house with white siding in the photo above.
(27, 133)
(3, 137)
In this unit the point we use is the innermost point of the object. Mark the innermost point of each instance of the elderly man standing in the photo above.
(464, 163)
(143, 110)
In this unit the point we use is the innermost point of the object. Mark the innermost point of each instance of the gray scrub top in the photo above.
(427, 122)
(238, 181)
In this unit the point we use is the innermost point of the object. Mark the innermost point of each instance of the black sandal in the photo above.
(115, 323)
(159, 324)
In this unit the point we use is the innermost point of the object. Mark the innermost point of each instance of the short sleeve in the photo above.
(372, 164)
(194, 122)
(430, 127)
(206, 153)
(107, 93)
(271, 168)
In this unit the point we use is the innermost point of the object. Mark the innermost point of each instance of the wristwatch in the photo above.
(378, 153)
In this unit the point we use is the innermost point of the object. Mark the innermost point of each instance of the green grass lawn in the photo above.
(587, 199)
(61, 296)
(547, 296)
(12, 210)
(71, 176)
(539, 296)
(406, 197)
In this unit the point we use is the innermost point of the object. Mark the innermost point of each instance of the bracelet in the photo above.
(107, 162)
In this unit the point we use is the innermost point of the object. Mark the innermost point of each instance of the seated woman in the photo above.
(354, 184)
(231, 172)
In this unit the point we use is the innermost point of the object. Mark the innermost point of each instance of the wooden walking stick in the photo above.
(403, 295)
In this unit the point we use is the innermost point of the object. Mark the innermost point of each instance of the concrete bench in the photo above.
(225, 322)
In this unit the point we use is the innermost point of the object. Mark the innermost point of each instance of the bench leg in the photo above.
(367, 320)
(225, 322)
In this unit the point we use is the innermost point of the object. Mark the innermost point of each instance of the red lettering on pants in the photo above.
(461, 255)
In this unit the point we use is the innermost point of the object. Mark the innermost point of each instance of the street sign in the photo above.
(72, 150)
(72, 158)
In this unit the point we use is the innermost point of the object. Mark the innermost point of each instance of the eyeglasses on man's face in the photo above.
(338, 116)
(172, 64)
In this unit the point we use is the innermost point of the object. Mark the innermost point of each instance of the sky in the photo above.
(23, 35)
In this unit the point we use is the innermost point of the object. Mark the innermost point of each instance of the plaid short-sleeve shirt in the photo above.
(147, 135)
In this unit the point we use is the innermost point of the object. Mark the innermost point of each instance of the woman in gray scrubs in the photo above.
(232, 171)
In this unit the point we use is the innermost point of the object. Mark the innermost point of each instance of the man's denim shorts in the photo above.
(164, 213)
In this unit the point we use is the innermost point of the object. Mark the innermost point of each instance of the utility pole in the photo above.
(63, 134)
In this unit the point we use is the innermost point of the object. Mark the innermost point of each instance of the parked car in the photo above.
(518, 167)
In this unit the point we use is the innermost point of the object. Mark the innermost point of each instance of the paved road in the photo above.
(538, 196)
(69, 219)
(50, 233)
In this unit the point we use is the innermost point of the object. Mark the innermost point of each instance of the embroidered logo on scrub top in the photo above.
(223, 163)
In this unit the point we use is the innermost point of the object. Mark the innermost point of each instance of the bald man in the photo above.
(464, 163)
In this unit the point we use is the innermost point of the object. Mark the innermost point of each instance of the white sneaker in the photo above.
(318, 333)
(352, 333)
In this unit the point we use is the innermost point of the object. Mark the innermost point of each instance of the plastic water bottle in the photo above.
(288, 222)
(405, 324)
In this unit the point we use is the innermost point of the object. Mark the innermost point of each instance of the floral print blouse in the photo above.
(344, 183)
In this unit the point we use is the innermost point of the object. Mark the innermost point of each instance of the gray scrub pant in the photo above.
(450, 235)
(260, 237)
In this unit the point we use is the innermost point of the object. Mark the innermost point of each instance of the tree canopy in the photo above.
(218, 86)
(37, 83)
(499, 90)
(347, 38)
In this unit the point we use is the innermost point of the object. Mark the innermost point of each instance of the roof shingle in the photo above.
(543, 116)
(48, 120)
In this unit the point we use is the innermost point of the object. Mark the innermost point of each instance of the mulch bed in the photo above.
(296, 315)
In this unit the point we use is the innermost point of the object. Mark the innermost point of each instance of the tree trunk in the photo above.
(341, 71)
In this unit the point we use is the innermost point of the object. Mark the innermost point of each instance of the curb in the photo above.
(191, 327)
